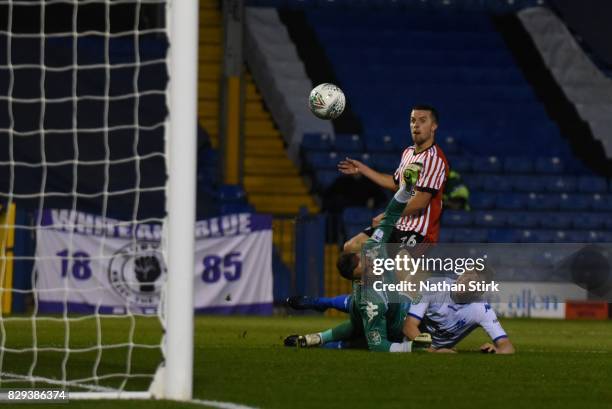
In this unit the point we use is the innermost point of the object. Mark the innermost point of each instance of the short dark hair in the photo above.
(346, 264)
(432, 110)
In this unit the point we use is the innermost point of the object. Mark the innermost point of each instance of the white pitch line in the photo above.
(220, 405)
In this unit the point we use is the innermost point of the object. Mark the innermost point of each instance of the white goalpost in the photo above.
(98, 132)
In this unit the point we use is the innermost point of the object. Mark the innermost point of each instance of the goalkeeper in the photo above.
(375, 320)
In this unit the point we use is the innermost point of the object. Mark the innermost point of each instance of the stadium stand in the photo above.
(526, 183)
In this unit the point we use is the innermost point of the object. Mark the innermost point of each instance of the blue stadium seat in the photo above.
(457, 218)
(489, 219)
(562, 184)
(589, 220)
(518, 164)
(325, 178)
(231, 193)
(316, 141)
(556, 220)
(577, 236)
(549, 165)
(323, 160)
(604, 236)
(573, 201)
(472, 181)
(482, 201)
(449, 145)
(460, 164)
(536, 236)
(523, 219)
(233, 208)
(446, 235)
(592, 184)
(468, 235)
(528, 184)
(348, 143)
(539, 201)
(497, 183)
(601, 202)
(490, 164)
(511, 201)
(501, 236)
(357, 215)
(379, 143)
(385, 162)
(351, 230)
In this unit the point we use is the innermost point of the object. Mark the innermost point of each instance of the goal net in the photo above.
(86, 175)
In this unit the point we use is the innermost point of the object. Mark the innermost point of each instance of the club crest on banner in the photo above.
(137, 271)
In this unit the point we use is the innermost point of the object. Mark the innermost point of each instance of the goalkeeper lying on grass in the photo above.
(374, 322)
(397, 326)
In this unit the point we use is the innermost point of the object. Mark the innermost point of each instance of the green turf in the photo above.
(559, 364)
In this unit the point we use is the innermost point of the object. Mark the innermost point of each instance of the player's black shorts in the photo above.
(405, 238)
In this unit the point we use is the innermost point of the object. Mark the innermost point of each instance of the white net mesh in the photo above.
(82, 189)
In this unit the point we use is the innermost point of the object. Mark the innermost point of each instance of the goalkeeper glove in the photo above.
(411, 174)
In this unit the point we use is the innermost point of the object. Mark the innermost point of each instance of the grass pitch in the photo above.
(559, 364)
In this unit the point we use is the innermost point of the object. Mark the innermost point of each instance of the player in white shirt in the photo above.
(450, 316)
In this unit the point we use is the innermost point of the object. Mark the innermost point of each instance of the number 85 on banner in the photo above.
(228, 267)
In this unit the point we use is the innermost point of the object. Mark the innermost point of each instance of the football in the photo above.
(326, 101)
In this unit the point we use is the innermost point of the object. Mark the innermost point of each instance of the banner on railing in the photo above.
(87, 263)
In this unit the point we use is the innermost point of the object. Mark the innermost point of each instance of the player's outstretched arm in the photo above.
(499, 346)
(353, 167)
(411, 327)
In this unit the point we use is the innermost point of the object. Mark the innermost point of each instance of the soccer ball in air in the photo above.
(326, 101)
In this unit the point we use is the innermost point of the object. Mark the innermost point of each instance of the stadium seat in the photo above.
(232, 208)
(348, 143)
(490, 164)
(357, 215)
(601, 202)
(556, 220)
(472, 181)
(529, 183)
(510, 201)
(385, 163)
(325, 178)
(536, 236)
(549, 165)
(577, 236)
(497, 183)
(482, 201)
(489, 219)
(539, 201)
(517, 164)
(446, 235)
(589, 220)
(523, 219)
(316, 141)
(379, 143)
(469, 235)
(592, 184)
(561, 184)
(457, 218)
(460, 164)
(322, 160)
(351, 230)
(231, 194)
(569, 201)
(501, 236)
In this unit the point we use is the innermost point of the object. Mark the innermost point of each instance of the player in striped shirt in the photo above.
(420, 221)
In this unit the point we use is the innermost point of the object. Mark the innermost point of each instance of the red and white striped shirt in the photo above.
(432, 179)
